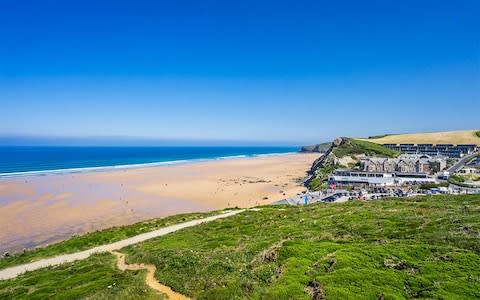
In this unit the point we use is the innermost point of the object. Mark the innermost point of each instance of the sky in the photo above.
(245, 72)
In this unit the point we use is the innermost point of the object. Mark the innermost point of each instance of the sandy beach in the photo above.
(38, 210)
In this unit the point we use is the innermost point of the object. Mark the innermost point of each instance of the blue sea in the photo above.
(17, 161)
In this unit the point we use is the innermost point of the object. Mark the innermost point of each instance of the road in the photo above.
(13, 272)
(462, 162)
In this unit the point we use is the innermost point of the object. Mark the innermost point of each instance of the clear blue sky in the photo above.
(278, 71)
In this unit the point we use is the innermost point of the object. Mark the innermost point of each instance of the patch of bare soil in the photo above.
(315, 290)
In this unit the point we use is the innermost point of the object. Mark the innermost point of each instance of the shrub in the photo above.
(378, 136)
(427, 186)
(457, 178)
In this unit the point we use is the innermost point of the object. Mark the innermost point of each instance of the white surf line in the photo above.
(14, 271)
(79, 170)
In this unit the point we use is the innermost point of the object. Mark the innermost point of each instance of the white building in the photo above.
(349, 177)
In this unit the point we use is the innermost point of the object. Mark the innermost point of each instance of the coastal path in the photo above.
(13, 272)
(150, 279)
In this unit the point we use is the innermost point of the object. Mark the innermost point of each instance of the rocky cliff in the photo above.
(328, 159)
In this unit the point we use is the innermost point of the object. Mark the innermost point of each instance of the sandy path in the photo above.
(13, 272)
(150, 279)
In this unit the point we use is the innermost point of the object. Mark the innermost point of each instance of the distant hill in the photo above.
(362, 147)
(322, 148)
(444, 137)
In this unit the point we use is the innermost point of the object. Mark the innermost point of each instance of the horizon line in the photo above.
(42, 140)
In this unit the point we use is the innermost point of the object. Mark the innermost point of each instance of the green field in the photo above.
(425, 247)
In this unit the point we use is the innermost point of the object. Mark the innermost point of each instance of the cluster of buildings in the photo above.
(381, 172)
(448, 150)
(418, 164)
(405, 163)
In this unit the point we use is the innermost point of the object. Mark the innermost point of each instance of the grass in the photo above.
(355, 147)
(393, 249)
(460, 180)
(424, 247)
(457, 178)
(446, 137)
(316, 184)
(321, 177)
(86, 279)
(473, 177)
(101, 237)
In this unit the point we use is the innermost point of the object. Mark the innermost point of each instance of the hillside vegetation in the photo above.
(379, 136)
(425, 247)
(445, 137)
(352, 147)
(94, 278)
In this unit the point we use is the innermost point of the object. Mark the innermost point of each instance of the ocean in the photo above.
(18, 161)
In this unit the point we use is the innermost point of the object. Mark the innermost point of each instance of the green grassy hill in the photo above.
(425, 247)
(354, 146)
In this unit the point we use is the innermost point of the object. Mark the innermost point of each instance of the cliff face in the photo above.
(328, 159)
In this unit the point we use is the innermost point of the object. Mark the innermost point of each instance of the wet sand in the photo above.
(38, 210)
